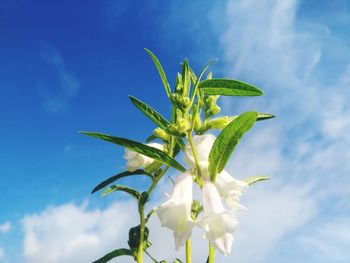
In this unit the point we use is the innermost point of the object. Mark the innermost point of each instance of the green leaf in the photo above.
(228, 87)
(141, 148)
(227, 140)
(122, 188)
(264, 116)
(118, 176)
(116, 253)
(158, 119)
(261, 116)
(255, 179)
(160, 71)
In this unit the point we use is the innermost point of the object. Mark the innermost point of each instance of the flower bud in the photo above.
(174, 130)
(183, 124)
(195, 209)
(219, 123)
(197, 123)
(161, 134)
(185, 101)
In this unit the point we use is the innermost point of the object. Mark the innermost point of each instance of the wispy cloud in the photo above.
(61, 87)
(5, 227)
(307, 145)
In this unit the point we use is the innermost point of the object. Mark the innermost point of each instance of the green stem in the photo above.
(211, 253)
(195, 156)
(188, 251)
(142, 232)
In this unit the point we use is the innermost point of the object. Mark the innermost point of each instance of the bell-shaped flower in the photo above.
(218, 224)
(175, 213)
(203, 144)
(229, 188)
(136, 160)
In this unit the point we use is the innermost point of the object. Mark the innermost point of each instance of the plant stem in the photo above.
(156, 180)
(211, 253)
(195, 156)
(142, 232)
(188, 251)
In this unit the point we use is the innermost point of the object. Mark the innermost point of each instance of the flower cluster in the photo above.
(217, 222)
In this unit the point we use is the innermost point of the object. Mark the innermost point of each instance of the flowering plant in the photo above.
(194, 105)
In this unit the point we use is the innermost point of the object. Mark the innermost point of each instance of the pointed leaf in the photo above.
(160, 71)
(228, 87)
(149, 151)
(261, 116)
(122, 188)
(227, 140)
(264, 116)
(158, 119)
(118, 176)
(255, 179)
(116, 253)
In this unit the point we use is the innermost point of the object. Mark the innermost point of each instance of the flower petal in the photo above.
(203, 144)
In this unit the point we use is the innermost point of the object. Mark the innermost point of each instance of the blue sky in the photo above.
(69, 66)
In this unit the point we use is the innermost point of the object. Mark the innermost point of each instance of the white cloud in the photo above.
(63, 87)
(71, 233)
(5, 227)
(306, 147)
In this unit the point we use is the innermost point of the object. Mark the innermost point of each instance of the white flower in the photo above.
(218, 225)
(230, 189)
(202, 144)
(175, 213)
(136, 160)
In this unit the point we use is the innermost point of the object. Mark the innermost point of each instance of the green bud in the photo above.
(210, 100)
(183, 124)
(219, 123)
(196, 208)
(197, 123)
(175, 97)
(178, 84)
(215, 110)
(161, 134)
(174, 130)
(185, 101)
